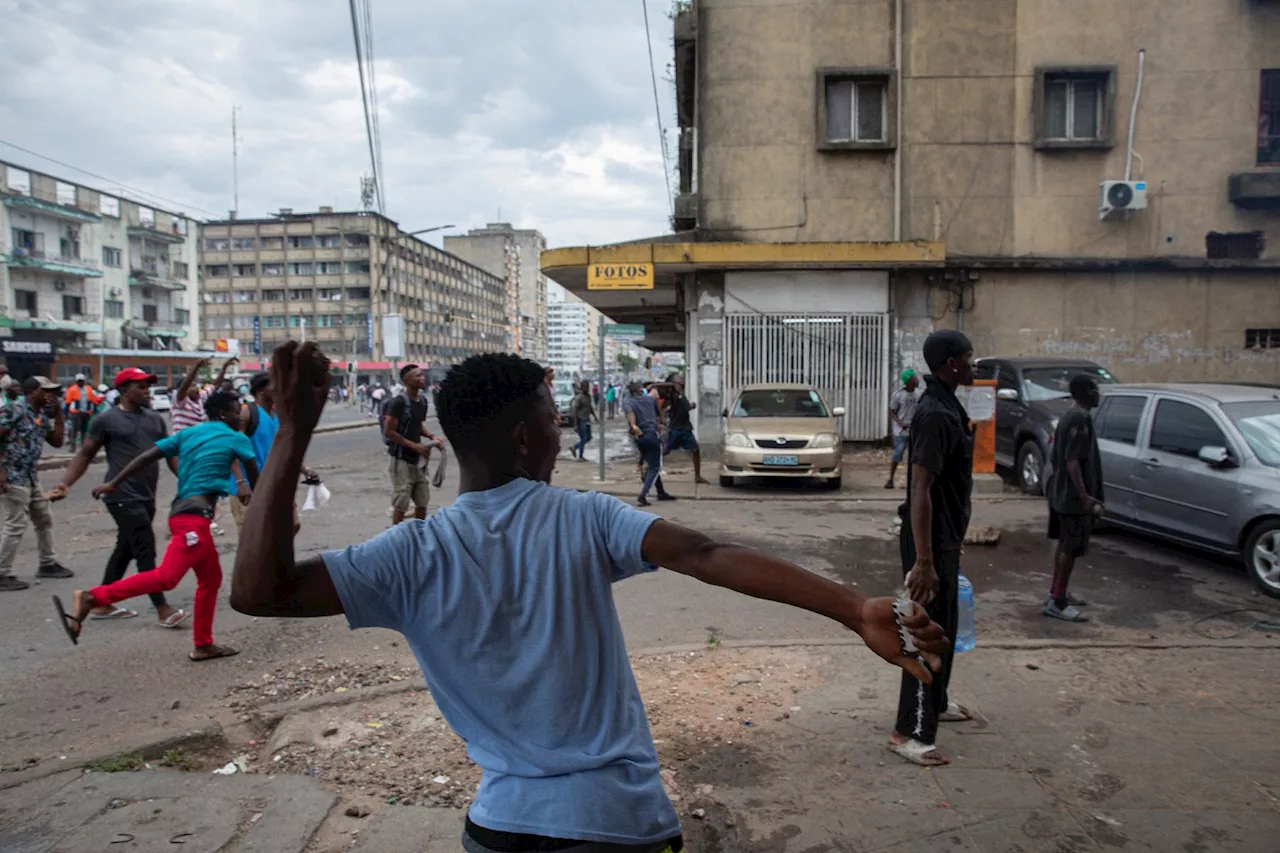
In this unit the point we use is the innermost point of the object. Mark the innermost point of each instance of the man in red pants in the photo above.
(205, 455)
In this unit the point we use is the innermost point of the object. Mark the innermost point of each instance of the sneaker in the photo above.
(55, 570)
(666, 497)
(1074, 601)
(889, 484)
(1066, 614)
(8, 583)
(642, 501)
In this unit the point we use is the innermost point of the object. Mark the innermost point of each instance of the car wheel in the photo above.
(834, 483)
(1262, 557)
(726, 482)
(1030, 468)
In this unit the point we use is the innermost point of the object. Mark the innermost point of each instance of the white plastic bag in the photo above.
(317, 497)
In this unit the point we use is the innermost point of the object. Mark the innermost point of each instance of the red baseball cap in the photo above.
(133, 374)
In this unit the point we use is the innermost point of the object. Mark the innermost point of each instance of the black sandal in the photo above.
(63, 616)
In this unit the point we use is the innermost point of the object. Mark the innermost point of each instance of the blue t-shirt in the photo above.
(263, 435)
(505, 598)
(205, 453)
(645, 408)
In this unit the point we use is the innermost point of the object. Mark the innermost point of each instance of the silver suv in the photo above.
(1199, 465)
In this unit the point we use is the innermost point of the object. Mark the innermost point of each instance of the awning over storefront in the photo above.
(658, 309)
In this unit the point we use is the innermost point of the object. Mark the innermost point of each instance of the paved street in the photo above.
(1143, 726)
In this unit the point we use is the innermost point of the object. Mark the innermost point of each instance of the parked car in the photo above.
(1198, 465)
(1031, 393)
(781, 430)
(563, 392)
(160, 401)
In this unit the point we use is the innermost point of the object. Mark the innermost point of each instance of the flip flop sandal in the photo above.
(116, 613)
(175, 620)
(915, 752)
(215, 653)
(63, 616)
(955, 713)
(1066, 614)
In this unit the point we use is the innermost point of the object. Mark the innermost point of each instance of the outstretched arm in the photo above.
(760, 575)
(267, 581)
(139, 462)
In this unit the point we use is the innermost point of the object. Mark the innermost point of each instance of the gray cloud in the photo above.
(542, 110)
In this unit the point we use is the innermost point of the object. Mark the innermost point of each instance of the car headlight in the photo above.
(1053, 425)
(825, 439)
(737, 439)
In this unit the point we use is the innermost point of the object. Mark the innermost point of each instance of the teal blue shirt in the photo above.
(205, 453)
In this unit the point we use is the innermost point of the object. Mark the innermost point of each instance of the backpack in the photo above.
(408, 407)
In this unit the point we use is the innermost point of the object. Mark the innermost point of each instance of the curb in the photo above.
(851, 497)
(209, 735)
(996, 645)
(271, 715)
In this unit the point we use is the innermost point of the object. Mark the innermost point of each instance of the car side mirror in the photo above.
(1216, 457)
(1007, 394)
(837, 412)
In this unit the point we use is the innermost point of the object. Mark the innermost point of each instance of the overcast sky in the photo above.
(543, 110)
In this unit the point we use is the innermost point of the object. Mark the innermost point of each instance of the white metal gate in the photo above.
(845, 355)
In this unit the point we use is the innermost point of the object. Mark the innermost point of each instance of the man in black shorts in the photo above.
(1075, 495)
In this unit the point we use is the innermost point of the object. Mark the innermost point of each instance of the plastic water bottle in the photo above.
(966, 632)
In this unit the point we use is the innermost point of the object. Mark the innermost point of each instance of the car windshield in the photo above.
(780, 403)
(1259, 423)
(1054, 383)
(158, 391)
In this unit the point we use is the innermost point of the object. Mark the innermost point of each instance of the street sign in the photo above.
(619, 276)
(624, 331)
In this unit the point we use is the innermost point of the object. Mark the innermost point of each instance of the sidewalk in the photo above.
(769, 749)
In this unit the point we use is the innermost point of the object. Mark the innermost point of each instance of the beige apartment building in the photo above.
(331, 276)
(856, 173)
(513, 254)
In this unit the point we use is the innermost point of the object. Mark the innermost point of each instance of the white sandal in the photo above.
(915, 752)
(116, 613)
(175, 620)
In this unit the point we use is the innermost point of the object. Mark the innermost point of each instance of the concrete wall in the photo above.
(801, 291)
(1156, 327)
(971, 171)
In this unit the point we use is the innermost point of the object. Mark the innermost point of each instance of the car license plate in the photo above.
(782, 460)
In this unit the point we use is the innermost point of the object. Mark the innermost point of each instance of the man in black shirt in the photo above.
(127, 430)
(935, 519)
(1075, 495)
(680, 425)
(404, 433)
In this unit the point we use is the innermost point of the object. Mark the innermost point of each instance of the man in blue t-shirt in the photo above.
(259, 423)
(505, 597)
(205, 453)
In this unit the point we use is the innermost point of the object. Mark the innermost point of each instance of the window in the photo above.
(300, 242)
(243, 270)
(217, 271)
(357, 293)
(273, 242)
(1269, 117)
(1262, 338)
(25, 300)
(243, 296)
(108, 206)
(148, 293)
(1259, 423)
(244, 244)
(181, 270)
(217, 323)
(329, 294)
(273, 269)
(328, 268)
(245, 321)
(328, 241)
(326, 321)
(300, 269)
(356, 267)
(1183, 429)
(273, 321)
(357, 241)
(855, 109)
(300, 293)
(113, 308)
(273, 296)
(28, 240)
(19, 181)
(1072, 107)
(216, 244)
(1236, 245)
(181, 316)
(72, 306)
(69, 248)
(150, 313)
(147, 217)
(111, 257)
(1119, 418)
(65, 193)
(217, 297)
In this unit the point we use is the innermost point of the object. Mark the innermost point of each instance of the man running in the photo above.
(939, 486)
(902, 408)
(205, 453)
(404, 432)
(127, 430)
(644, 418)
(583, 413)
(505, 597)
(1075, 495)
(680, 425)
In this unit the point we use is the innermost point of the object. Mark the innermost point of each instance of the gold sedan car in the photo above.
(781, 430)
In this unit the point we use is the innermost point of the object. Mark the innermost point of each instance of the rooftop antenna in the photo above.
(368, 191)
(235, 165)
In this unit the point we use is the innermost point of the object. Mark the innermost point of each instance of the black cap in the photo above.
(943, 345)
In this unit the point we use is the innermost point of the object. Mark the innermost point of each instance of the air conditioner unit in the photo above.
(115, 291)
(1122, 196)
(59, 285)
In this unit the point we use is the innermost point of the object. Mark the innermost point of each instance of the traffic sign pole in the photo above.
(600, 419)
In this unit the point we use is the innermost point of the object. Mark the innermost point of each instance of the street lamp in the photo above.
(429, 230)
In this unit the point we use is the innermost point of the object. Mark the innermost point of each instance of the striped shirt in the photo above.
(188, 412)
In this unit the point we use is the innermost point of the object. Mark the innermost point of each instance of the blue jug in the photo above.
(966, 631)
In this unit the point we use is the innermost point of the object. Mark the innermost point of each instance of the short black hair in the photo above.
(219, 403)
(404, 371)
(943, 345)
(1081, 384)
(30, 384)
(258, 382)
(485, 395)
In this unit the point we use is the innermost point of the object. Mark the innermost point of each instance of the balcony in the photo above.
(38, 259)
(158, 328)
(151, 232)
(155, 274)
(57, 211)
(78, 324)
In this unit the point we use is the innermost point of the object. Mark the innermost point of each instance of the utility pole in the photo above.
(235, 166)
(600, 382)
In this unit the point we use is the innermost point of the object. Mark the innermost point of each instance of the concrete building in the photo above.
(329, 276)
(514, 255)
(573, 335)
(91, 282)
(855, 174)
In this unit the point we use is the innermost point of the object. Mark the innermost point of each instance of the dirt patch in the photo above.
(710, 713)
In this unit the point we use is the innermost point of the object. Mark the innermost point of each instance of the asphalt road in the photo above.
(123, 678)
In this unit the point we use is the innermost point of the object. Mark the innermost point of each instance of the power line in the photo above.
(364, 97)
(142, 195)
(662, 135)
